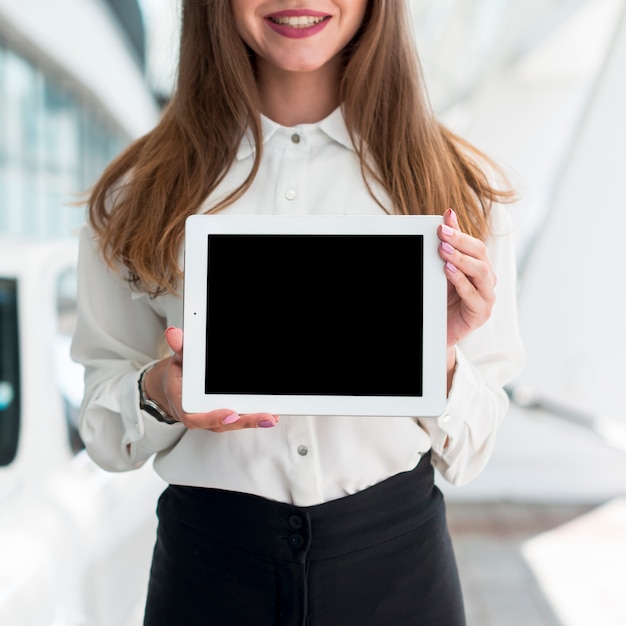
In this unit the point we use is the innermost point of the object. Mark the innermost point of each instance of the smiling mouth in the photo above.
(302, 21)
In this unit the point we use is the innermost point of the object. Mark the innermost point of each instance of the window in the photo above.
(54, 143)
(9, 372)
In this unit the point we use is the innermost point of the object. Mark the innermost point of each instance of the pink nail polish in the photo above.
(230, 419)
(451, 267)
(447, 231)
(446, 247)
(454, 217)
(266, 424)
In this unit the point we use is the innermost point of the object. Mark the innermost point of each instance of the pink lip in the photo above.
(297, 33)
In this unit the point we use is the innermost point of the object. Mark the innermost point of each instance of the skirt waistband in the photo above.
(386, 510)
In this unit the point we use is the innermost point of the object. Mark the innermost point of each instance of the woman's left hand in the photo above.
(471, 280)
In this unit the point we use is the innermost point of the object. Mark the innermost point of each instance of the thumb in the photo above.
(174, 339)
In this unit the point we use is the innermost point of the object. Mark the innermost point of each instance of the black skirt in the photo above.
(382, 557)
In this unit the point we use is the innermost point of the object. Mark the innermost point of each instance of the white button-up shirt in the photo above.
(305, 460)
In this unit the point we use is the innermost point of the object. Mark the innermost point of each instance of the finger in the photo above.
(263, 417)
(477, 295)
(465, 243)
(466, 253)
(222, 420)
(235, 421)
(450, 218)
(462, 242)
(477, 270)
(474, 311)
(174, 339)
(464, 287)
(252, 420)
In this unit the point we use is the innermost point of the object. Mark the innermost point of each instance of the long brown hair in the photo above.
(139, 205)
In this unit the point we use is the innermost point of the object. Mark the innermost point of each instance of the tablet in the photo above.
(314, 315)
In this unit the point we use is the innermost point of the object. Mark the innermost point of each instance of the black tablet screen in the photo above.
(315, 314)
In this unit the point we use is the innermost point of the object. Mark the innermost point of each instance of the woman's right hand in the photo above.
(163, 384)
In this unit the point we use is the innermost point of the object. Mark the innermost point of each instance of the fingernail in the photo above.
(454, 217)
(446, 247)
(266, 424)
(451, 267)
(229, 419)
(447, 231)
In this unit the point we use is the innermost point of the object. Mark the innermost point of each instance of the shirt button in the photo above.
(303, 450)
(446, 418)
(295, 138)
(295, 521)
(296, 540)
(290, 194)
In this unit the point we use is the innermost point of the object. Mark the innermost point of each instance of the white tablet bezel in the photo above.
(194, 398)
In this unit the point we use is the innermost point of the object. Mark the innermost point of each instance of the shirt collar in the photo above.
(333, 126)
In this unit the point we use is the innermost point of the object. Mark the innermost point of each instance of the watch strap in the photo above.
(152, 407)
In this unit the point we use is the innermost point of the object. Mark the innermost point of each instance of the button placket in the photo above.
(291, 187)
(303, 465)
(298, 531)
(295, 522)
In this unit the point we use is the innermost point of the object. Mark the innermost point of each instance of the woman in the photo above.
(293, 106)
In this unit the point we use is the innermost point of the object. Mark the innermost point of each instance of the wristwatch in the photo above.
(150, 406)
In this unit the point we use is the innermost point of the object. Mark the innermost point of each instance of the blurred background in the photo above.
(538, 84)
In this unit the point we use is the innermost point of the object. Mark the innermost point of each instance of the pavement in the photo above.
(513, 573)
(540, 535)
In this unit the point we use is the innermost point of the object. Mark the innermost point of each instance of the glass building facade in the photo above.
(54, 141)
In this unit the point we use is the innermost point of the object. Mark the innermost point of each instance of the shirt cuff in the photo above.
(447, 430)
(143, 433)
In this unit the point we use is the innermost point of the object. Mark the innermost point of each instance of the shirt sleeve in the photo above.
(487, 360)
(118, 334)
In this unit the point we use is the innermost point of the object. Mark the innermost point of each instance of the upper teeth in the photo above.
(303, 21)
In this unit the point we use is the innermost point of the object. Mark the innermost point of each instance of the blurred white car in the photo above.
(75, 541)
